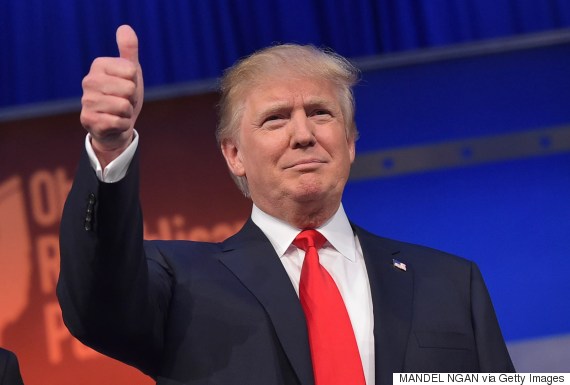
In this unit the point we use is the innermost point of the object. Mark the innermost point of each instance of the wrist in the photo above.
(106, 150)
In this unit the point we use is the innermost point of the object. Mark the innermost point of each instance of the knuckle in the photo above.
(89, 82)
(114, 121)
(124, 108)
(87, 100)
(87, 119)
(130, 89)
(103, 61)
(97, 64)
(130, 69)
(86, 82)
(118, 123)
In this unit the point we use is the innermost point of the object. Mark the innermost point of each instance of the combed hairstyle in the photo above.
(305, 61)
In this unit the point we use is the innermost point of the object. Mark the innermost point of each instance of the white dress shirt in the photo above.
(117, 169)
(341, 255)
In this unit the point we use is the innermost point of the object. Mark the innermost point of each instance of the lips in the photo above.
(306, 163)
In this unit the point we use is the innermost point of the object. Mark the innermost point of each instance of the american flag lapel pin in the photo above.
(399, 265)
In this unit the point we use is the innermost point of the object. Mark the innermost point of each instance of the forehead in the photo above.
(290, 88)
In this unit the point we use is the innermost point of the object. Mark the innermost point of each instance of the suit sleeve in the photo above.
(9, 368)
(491, 349)
(112, 298)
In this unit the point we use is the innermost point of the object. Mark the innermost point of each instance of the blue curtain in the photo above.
(48, 45)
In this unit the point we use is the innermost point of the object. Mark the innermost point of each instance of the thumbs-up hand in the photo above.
(113, 94)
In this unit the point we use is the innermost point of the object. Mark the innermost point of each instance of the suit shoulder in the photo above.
(9, 368)
(180, 248)
(419, 255)
(7, 356)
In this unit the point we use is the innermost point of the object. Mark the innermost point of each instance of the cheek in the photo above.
(339, 149)
(268, 149)
(260, 158)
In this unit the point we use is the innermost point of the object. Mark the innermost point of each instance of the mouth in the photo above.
(305, 164)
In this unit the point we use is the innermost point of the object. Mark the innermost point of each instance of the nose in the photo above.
(302, 132)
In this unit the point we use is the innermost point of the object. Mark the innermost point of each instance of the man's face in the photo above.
(292, 144)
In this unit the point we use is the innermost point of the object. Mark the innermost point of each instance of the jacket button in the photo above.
(88, 223)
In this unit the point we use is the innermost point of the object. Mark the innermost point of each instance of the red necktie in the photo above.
(336, 360)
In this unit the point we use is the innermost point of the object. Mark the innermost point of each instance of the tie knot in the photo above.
(309, 238)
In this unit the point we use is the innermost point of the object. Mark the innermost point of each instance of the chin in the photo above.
(309, 193)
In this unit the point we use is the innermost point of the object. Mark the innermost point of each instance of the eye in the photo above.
(271, 118)
(321, 115)
(321, 112)
(273, 121)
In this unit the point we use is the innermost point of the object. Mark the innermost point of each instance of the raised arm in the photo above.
(113, 94)
(114, 297)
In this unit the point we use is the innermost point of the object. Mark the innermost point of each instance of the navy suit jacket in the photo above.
(226, 313)
(9, 369)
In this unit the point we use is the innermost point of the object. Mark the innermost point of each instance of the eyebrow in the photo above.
(274, 108)
(310, 102)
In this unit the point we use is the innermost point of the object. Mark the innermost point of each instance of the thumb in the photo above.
(128, 43)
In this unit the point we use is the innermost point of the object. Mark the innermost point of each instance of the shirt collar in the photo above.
(337, 231)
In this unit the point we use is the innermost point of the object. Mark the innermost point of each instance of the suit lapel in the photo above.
(392, 296)
(252, 259)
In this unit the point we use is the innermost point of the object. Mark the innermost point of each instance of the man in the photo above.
(9, 369)
(249, 310)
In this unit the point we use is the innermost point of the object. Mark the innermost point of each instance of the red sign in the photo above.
(186, 193)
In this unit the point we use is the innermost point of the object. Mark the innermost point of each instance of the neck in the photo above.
(304, 215)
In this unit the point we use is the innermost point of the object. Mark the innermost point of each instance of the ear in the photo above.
(231, 153)
(351, 148)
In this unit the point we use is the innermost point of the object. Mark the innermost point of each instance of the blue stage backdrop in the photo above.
(48, 45)
(471, 154)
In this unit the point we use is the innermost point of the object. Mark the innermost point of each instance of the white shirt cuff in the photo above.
(117, 169)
